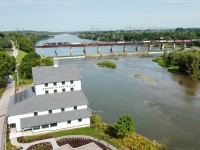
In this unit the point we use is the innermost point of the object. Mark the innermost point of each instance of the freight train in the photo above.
(64, 44)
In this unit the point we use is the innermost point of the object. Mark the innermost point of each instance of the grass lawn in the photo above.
(1, 92)
(81, 131)
(134, 141)
(20, 56)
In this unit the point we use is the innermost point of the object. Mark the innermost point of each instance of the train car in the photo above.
(45, 44)
(170, 41)
(187, 41)
(162, 41)
(94, 43)
(121, 42)
(59, 43)
(52, 44)
(85, 43)
(111, 43)
(103, 43)
(178, 41)
(146, 41)
(66, 43)
(77, 44)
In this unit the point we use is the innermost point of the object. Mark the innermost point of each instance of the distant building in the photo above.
(54, 102)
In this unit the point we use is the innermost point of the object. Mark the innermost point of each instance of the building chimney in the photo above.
(55, 62)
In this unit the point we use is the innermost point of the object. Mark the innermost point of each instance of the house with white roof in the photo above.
(54, 102)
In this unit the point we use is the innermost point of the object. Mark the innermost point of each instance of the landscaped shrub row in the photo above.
(22, 140)
(41, 146)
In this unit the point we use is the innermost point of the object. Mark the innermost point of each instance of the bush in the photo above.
(160, 61)
(124, 126)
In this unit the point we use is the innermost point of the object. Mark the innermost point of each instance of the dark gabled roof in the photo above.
(38, 103)
(49, 74)
(54, 118)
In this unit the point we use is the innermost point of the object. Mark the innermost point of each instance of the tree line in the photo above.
(23, 41)
(115, 36)
(186, 62)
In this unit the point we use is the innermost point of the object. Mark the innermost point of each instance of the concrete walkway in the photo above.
(15, 51)
(90, 146)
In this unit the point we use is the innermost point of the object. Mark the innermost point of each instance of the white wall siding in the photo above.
(65, 125)
(43, 113)
(82, 107)
(16, 120)
(40, 88)
(56, 111)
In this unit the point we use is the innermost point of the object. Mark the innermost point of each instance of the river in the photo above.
(165, 106)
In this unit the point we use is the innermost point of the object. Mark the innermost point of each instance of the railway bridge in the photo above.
(149, 44)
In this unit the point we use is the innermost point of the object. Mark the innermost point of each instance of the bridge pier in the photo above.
(98, 49)
(124, 49)
(70, 51)
(162, 46)
(84, 51)
(174, 46)
(137, 48)
(184, 46)
(111, 50)
(42, 52)
(149, 47)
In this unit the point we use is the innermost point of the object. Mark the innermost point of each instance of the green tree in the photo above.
(30, 60)
(25, 44)
(7, 65)
(124, 126)
(47, 61)
(95, 120)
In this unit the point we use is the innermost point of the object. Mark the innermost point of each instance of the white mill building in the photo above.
(54, 102)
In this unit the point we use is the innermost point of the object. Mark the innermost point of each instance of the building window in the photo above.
(62, 109)
(35, 113)
(54, 83)
(63, 83)
(69, 122)
(63, 90)
(45, 126)
(53, 125)
(72, 89)
(79, 120)
(75, 107)
(71, 82)
(36, 127)
(13, 125)
(46, 92)
(46, 84)
(55, 91)
(50, 111)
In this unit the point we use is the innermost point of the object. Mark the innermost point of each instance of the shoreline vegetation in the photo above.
(144, 35)
(111, 134)
(107, 64)
(181, 62)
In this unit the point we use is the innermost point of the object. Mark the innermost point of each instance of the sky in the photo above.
(85, 15)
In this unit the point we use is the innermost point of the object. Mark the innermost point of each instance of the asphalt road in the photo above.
(10, 90)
